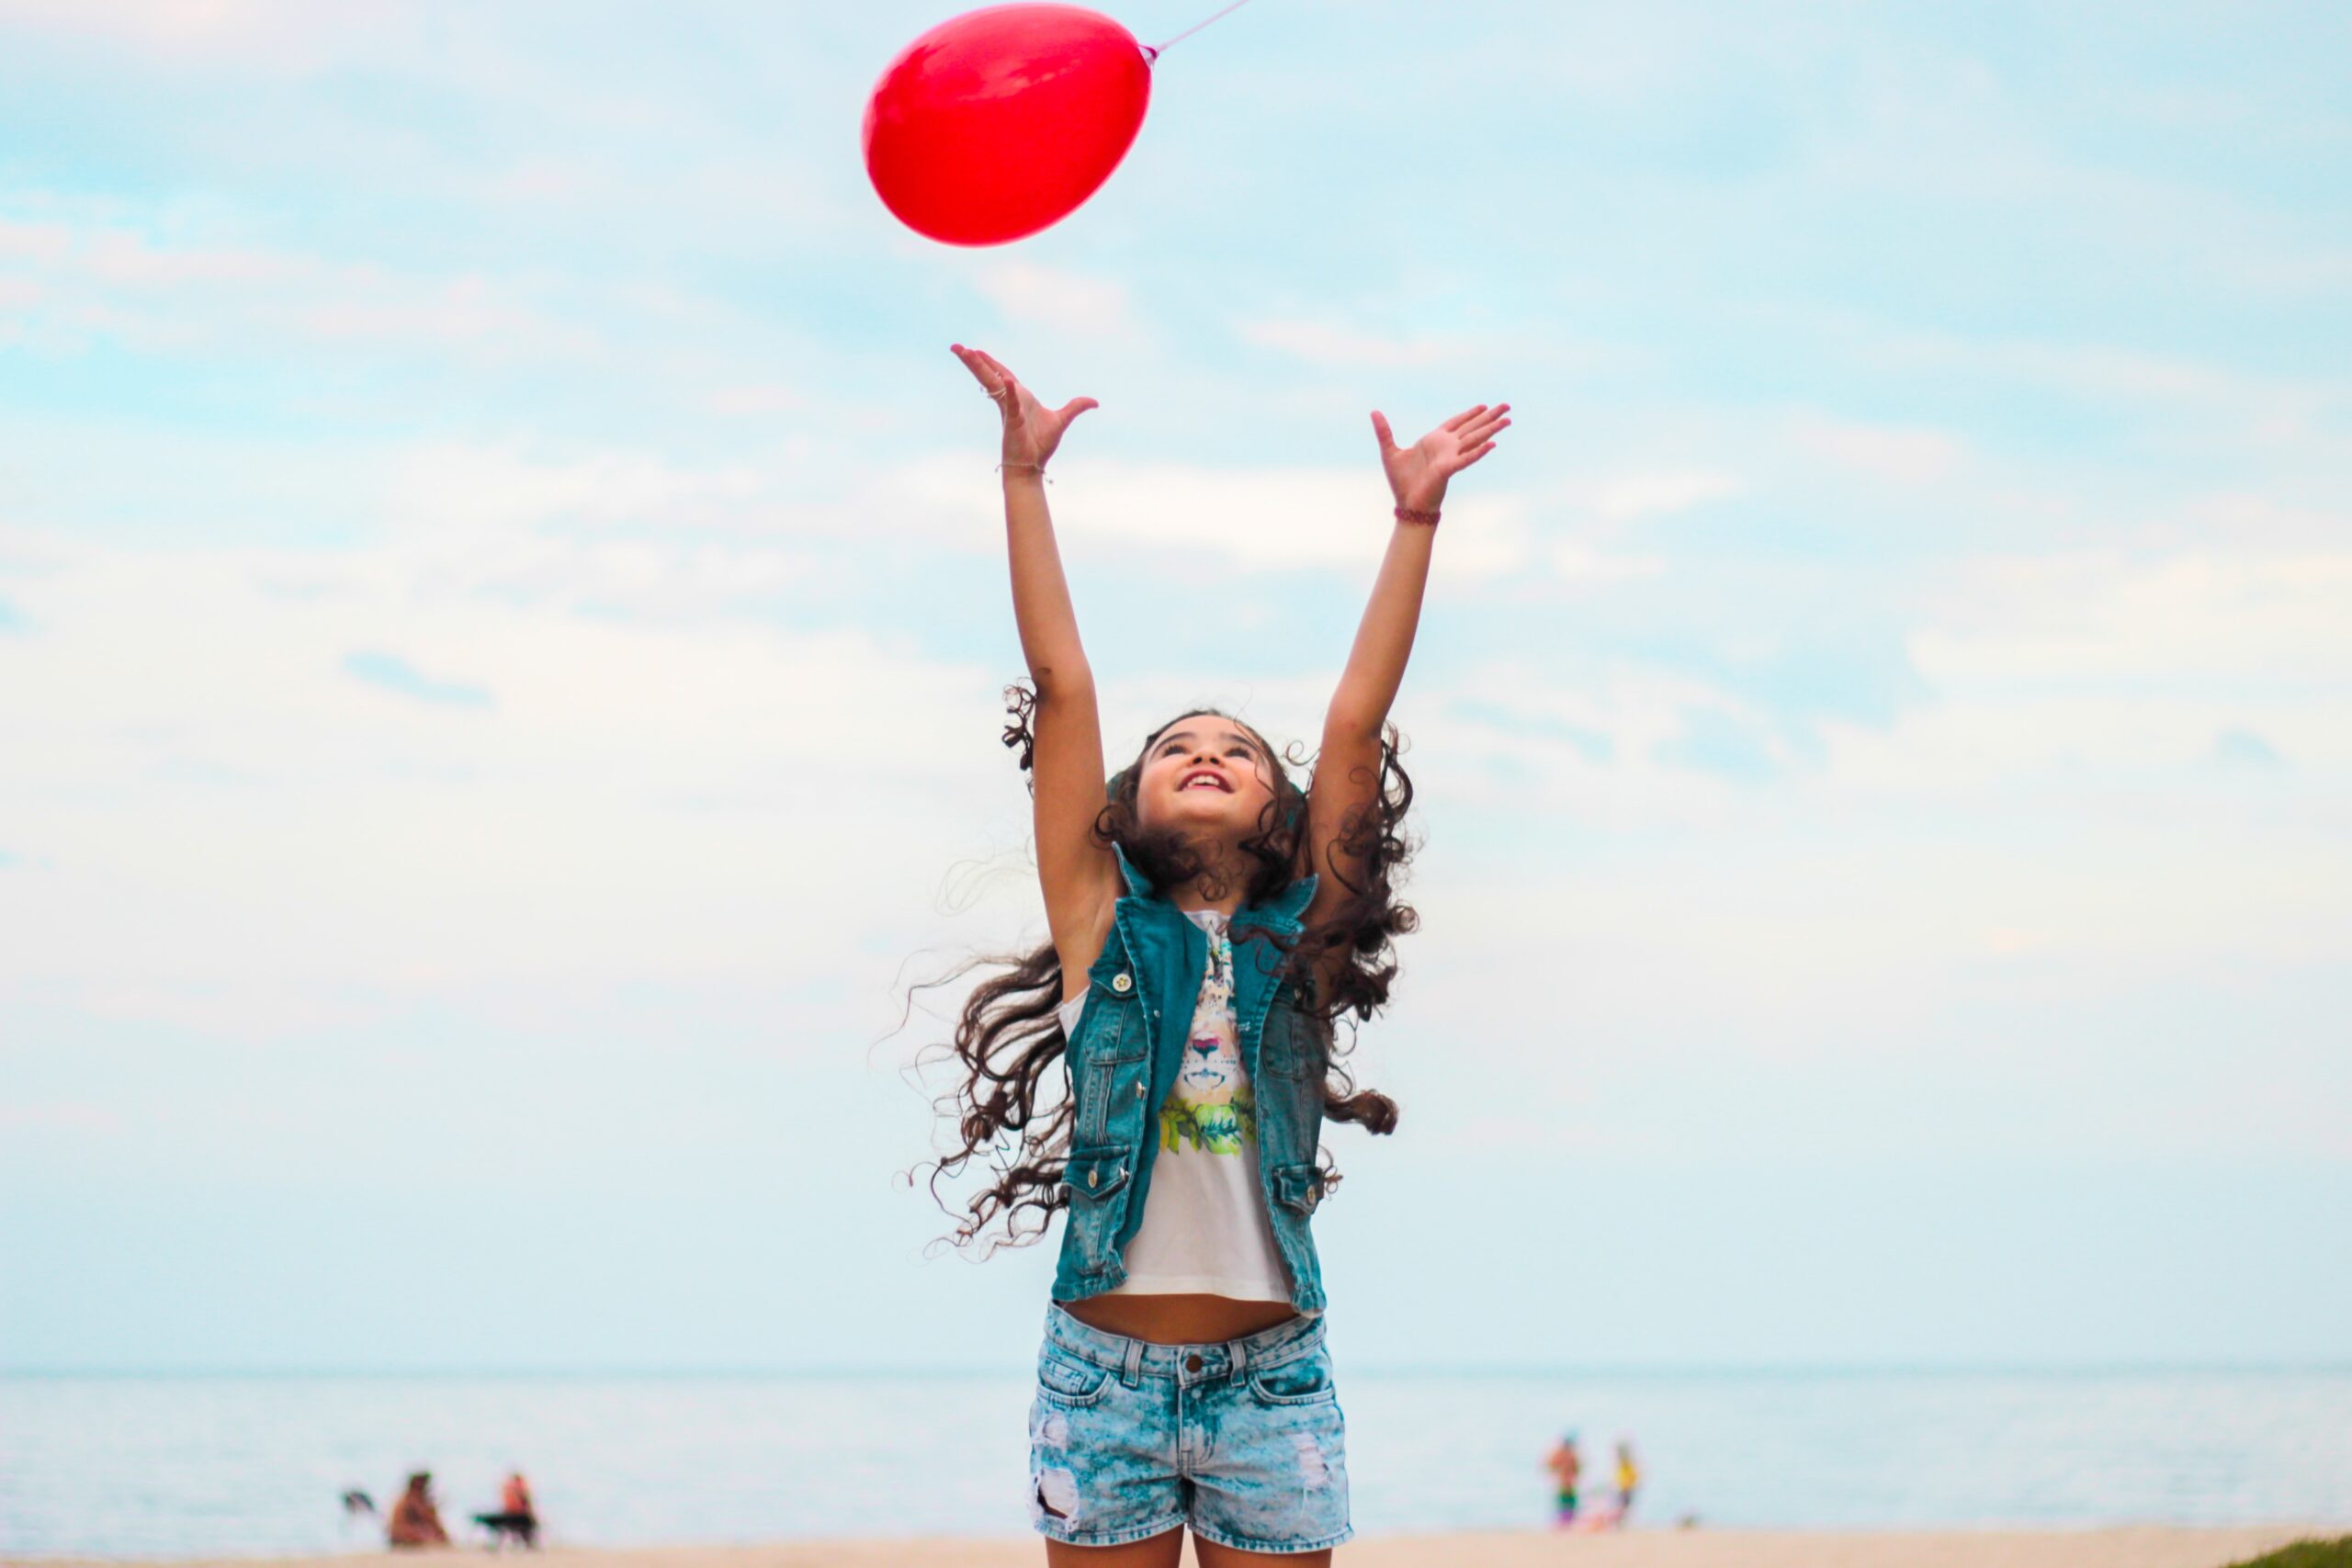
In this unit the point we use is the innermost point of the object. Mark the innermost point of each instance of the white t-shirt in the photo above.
(1205, 1229)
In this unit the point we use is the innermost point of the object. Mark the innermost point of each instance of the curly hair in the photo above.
(1010, 1034)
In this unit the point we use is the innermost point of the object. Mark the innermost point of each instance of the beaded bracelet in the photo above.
(1407, 515)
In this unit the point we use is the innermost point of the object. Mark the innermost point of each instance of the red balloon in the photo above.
(1001, 121)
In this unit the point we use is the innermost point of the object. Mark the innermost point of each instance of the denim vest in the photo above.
(1128, 1050)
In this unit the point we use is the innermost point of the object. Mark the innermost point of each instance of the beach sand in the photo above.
(2155, 1547)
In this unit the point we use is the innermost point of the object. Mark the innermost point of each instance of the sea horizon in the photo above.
(1927, 1368)
(244, 1463)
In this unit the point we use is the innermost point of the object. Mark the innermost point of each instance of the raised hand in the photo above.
(1418, 474)
(1031, 431)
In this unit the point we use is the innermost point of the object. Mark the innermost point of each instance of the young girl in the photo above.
(1209, 922)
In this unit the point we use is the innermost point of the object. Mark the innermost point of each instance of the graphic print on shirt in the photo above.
(1211, 1106)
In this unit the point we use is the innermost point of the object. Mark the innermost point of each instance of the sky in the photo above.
(503, 626)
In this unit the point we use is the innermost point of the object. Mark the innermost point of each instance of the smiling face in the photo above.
(1206, 773)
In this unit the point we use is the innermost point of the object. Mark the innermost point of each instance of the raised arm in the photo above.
(1078, 875)
(1347, 771)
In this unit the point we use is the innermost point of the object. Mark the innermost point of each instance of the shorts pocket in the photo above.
(1306, 1381)
(1070, 1384)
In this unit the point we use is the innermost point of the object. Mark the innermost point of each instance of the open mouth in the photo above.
(1202, 778)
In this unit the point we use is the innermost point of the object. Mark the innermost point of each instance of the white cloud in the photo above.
(1596, 513)
(1579, 563)
(1333, 346)
(1631, 498)
(2283, 620)
(2219, 401)
(1289, 518)
(1899, 455)
(276, 36)
(466, 489)
(63, 1116)
(94, 275)
(755, 398)
(2055, 795)
(1270, 519)
(1078, 304)
(235, 830)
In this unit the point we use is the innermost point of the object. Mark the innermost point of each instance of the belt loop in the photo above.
(1240, 1348)
(1133, 1375)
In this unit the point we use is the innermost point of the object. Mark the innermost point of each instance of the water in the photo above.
(142, 1467)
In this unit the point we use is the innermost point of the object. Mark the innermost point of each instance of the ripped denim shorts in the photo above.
(1241, 1441)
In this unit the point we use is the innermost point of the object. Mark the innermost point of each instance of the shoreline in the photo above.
(2141, 1546)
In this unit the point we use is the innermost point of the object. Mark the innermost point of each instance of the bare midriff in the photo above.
(1179, 1319)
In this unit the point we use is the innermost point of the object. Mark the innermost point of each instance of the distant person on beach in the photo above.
(516, 1498)
(415, 1521)
(1568, 1469)
(517, 1517)
(1629, 1479)
(1163, 1065)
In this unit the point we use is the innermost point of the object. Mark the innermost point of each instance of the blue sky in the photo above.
(502, 619)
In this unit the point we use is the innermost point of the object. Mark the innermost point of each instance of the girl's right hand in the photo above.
(1418, 474)
(1031, 431)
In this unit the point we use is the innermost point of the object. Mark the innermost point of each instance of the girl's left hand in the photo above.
(1416, 474)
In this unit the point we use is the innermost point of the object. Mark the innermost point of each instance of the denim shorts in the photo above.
(1241, 1441)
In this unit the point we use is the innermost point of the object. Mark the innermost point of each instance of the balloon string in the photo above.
(1155, 53)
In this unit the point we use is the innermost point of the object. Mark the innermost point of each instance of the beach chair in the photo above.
(519, 1529)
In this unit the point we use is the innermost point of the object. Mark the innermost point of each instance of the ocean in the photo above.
(130, 1467)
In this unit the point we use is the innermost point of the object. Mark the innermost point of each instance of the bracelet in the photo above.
(1407, 515)
(1037, 469)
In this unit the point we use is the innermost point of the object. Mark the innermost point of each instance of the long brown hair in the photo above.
(1010, 1035)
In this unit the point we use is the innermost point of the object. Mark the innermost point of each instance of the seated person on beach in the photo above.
(517, 1516)
(415, 1521)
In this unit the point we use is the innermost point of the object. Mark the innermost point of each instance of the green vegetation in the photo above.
(2306, 1554)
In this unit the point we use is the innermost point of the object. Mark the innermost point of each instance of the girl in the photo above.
(1209, 921)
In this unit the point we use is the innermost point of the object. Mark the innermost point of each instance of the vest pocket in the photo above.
(1298, 1186)
(1095, 1173)
(1091, 1177)
(1112, 1033)
(1291, 1047)
(1117, 1032)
